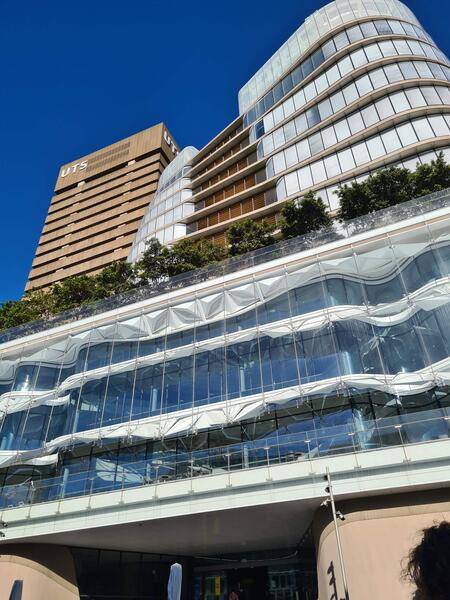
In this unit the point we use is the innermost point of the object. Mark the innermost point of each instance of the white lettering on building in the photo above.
(170, 142)
(74, 168)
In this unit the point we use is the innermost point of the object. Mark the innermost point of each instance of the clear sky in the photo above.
(76, 76)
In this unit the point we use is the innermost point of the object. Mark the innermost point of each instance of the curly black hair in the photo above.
(429, 563)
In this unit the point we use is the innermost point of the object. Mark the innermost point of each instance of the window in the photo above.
(378, 78)
(423, 69)
(342, 130)
(391, 141)
(401, 46)
(329, 136)
(408, 70)
(325, 109)
(341, 40)
(291, 156)
(333, 75)
(361, 154)
(305, 179)
(387, 49)
(299, 99)
(318, 172)
(373, 52)
(292, 185)
(375, 147)
(399, 102)
(278, 138)
(350, 93)
(415, 97)
(332, 166)
(368, 29)
(393, 73)
(337, 101)
(355, 123)
(303, 150)
(315, 144)
(329, 49)
(439, 125)
(407, 134)
(310, 91)
(430, 95)
(346, 160)
(313, 116)
(289, 131)
(321, 83)
(279, 162)
(345, 66)
(364, 85)
(358, 58)
(355, 34)
(423, 129)
(384, 108)
(369, 115)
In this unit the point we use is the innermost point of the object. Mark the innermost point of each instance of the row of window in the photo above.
(325, 292)
(261, 365)
(367, 83)
(355, 89)
(328, 194)
(345, 128)
(327, 50)
(364, 152)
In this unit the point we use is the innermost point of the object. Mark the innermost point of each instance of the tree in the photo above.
(429, 178)
(247, 235)
(33, 306)
(384, 188)
(114, 279)
(74, 291)
(154, 264)
(187, 255)
(304, 215)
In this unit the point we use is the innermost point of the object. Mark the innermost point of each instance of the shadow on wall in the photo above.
(16, 590)
(332, 583)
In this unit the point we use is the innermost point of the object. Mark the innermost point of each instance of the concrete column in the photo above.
(46, 571)
(376, 536)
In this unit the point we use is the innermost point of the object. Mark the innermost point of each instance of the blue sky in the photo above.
(77, 76)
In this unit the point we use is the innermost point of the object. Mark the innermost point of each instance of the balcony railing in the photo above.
(160, 468)
(340, 231)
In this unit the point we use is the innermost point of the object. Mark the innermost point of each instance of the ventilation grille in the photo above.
(109, 156)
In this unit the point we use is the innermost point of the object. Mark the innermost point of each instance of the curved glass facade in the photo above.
(318, 25)
(163, 218)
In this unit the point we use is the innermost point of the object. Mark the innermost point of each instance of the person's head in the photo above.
(429, 563)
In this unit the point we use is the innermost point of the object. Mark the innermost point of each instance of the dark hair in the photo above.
(429, 563)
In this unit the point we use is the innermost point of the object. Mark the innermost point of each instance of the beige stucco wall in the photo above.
(376, 536)
(48, 572)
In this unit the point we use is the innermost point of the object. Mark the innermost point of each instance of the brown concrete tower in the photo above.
(98, 204)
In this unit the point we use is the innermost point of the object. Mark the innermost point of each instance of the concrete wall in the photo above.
(376, 537)
(47, 572)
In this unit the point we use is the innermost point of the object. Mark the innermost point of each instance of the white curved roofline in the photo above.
(321, 22)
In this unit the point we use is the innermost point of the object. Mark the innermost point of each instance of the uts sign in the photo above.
(170, 142)
(73, 168)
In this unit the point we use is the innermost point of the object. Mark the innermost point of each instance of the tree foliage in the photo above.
(247, 235)
(304, 215)
(384, 188)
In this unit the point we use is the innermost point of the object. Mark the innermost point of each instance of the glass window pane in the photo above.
(355, 123)
(321, 83)
(303, 150)
(310, 91)
(401, 46)
(415, 97)
(378, 78)
(369, 115)
(332, 166)
(301, 124)
(341, 40)
(360, 154)
(391, 141)
(423, 129)
(313, 116)
(407, 134)
(375, 147)
(423, 69)
(430, 95)
(393, 73)
(350, 93)
(279, 162)
(354, 34)
(346, 160)
(444, 94)
(382, 27)
(342, 130)
(337, 101)
(318, 172)
(364, 85)
(329, 49)
(292, 185)
(315, 144)
(291, 156)
(384, 108)
(333, 75)
(289, 131)
(278, 137)
(345, 66)
(408, 70)
(358, 58)
(373, 52)
(439, 125)
(399, 102)
(387, 49)
(325, 109)
(305, 179)
(299, 99)
(329, 136)
(368, 29)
